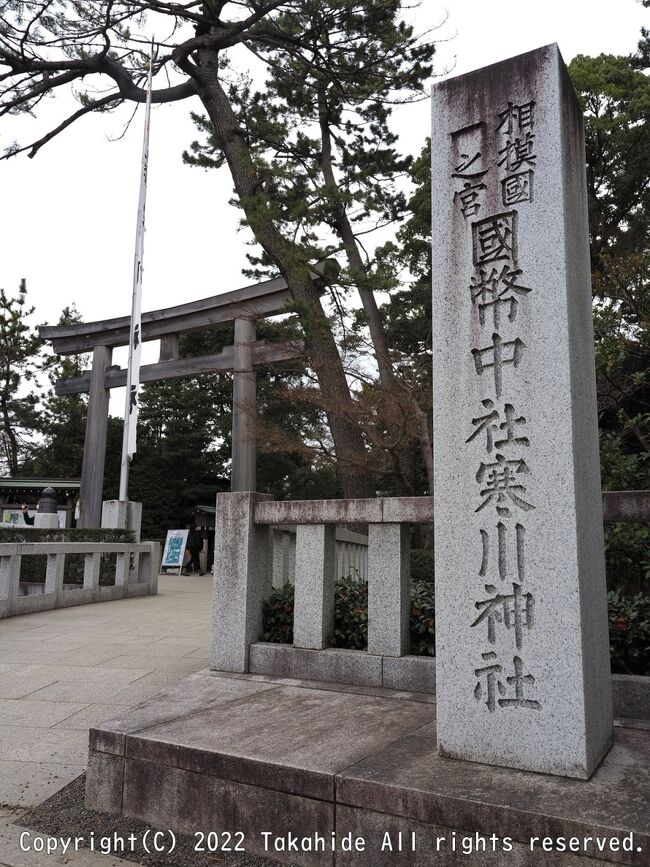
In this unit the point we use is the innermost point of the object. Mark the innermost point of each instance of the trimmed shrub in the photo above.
(39, 534)
(421, 564)
(629, 633)
(277, 625)
(351, 616)
(629, 622)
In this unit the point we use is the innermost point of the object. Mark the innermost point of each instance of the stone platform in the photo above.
(253, 754)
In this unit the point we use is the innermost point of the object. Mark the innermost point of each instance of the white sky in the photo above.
(67, 217)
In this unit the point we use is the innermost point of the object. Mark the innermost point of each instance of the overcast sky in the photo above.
(67, 217)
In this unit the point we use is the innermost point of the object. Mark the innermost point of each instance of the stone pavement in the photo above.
(65, 670)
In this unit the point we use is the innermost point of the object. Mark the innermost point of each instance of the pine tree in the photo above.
(20, 362)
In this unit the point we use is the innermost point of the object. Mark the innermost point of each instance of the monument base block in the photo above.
(122, 515)
(326, 774)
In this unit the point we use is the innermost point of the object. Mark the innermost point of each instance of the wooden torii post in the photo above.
(241, 307)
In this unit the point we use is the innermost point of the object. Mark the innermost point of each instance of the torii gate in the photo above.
(243, 307)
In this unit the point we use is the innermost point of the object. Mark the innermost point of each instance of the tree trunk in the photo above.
(394, 390)
(321, 347)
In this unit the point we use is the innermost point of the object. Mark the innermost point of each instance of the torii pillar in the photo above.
(94, 456)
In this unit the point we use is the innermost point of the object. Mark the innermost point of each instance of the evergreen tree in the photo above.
(62, 420)
(615, 96)
(45, 46)
(19, 364)
(320, 137)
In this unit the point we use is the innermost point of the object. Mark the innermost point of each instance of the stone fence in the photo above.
(246, 553)
(351, 555)
(136, 574)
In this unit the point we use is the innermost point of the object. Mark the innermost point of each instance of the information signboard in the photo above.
(174, 551)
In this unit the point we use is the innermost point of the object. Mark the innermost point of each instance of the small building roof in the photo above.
(33, 487)
(23, 483)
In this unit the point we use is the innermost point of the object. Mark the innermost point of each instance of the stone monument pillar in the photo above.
(523, 676)
(243, 408)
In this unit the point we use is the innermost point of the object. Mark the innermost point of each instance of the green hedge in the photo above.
(629, 632)
(40, 534)
(32, 568)
(351, 616)
(629, 622)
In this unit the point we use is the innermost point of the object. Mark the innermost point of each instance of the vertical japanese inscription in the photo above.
(499, 432)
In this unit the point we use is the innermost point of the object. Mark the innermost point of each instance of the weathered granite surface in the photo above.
(255, 754)
(243, 570)
(521, 628)
(389, 579)
(314, 579)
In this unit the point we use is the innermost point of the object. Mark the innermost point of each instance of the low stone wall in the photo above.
(406, 673)
(136, 574)
(250, 551)
(350, 555)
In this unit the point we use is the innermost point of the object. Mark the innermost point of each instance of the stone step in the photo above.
(268, 758)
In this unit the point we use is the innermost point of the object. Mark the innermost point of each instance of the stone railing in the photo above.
(245, 525)
(246, 560)
(136, 574)
(626, 506)
(350, 555)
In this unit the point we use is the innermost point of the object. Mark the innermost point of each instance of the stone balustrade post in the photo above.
(9, 578)
(389, 579)
(54, 573)
(150, 567)
(92, 565)
(242, 579)
(314, 595)
(122, 568)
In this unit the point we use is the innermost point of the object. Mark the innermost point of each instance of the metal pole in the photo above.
(135, 337)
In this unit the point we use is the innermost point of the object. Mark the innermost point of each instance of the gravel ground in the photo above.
(64, 815)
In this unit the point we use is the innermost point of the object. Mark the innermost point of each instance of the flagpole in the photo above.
(135, 335)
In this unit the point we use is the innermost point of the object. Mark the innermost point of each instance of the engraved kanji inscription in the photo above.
(501, 551)
(514, 610)
(518, 152)
(495, 288)
(494, 685)
(517, 188)
(470, 168)
(516, 118)
(495, 238)
(493, 426)
(502, 485)
(495, 356)
(469, 198)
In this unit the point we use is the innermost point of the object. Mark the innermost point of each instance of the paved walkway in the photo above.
(63, 671)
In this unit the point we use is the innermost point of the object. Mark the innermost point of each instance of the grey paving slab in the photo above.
(36, 714)
(148, 661)
(42, 745)
(23, 680)
(178, 646)
(66, 670)
(94, 656)
(89, 716)
(70, 691)
(25, 784)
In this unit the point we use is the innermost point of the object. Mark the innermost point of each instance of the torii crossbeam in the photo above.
(241, 307)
